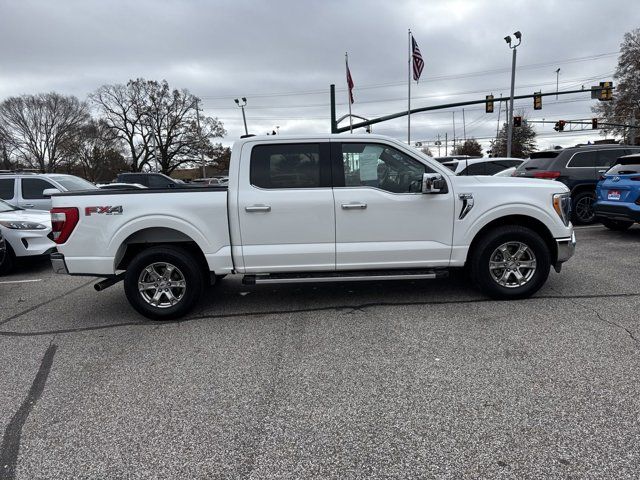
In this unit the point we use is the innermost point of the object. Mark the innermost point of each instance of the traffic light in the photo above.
(594, 123)
(606, 92)
(537, 101)
(517, 121)
(559, 127)
(488, 108)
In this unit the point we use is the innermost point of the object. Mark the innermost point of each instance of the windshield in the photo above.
(72, 183)
(7, 207)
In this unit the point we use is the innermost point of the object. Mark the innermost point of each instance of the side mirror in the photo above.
(47, 192)
(433, 183)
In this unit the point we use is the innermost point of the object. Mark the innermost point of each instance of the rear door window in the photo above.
(289, 166)
(607, 158)
(32, 188)
(158, 181)
(7, 188)
(583, 160)
(475, 169)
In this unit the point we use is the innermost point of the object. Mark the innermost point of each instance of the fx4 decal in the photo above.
(117, 210)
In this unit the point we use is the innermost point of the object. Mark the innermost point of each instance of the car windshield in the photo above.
(7, 207)
(72, 183)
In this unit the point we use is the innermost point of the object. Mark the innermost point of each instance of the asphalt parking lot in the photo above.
(422, 379)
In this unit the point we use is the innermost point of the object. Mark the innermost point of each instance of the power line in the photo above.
(429, 79)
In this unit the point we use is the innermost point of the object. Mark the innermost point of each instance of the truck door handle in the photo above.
(258, 208)
(354, 206)
(28, 205)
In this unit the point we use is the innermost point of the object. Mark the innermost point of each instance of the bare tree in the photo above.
(426, 151)
(37, 128)
(98, 152)
(123, 108)
(625, 107)
(172, 116)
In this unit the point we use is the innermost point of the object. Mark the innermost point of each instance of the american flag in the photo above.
(418, 63)
(350, 83)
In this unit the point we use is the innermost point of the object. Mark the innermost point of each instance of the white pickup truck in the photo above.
(316, 209)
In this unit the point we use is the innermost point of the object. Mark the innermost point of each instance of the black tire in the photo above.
(616, 225)
(485, 250)
(186, 267)
(220, 277)
(582, 208)
(7, 260)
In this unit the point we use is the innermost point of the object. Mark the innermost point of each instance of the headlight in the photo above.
(23, 225)
(562, 206)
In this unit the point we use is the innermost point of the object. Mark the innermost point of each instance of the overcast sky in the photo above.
(282, 56)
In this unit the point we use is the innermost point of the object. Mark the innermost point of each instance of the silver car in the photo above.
(27, 190)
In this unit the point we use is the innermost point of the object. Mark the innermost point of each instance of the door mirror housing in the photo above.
(47, 192)
(433, 183)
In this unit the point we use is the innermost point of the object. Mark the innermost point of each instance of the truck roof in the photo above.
(326, 136)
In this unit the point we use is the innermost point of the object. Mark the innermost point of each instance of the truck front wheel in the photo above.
(510, 262)
(163, 283)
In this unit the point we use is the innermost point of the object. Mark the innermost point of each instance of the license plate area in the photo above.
(613, 195)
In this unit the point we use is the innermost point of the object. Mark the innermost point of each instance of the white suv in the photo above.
(27, 190)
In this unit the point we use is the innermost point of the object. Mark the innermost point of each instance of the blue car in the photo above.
(618, 194)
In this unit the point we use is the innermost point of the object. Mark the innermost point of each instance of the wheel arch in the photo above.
(520, 220)
(154, 237)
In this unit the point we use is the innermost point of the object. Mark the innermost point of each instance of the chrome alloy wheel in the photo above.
(512, 264)
(162, 285)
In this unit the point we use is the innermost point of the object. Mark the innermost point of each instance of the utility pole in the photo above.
(439, 143)
(454, 130)
(498, 126)
(204, 169)
(507, 39)
(464, 126)
(446, 144)
(244, 118)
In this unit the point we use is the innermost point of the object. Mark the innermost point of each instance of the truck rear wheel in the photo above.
(510, 262)
(163, 283)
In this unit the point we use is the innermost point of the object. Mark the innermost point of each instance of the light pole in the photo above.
(557, 81)
(507, 39)
(244, 118)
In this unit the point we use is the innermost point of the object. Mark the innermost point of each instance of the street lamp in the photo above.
(513, 47)
(244, 118)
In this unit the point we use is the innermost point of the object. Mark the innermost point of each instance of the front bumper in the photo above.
(58, 263)
(566, 247)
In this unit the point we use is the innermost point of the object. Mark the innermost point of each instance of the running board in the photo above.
(351, 276)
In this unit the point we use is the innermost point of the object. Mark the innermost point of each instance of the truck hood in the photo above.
(37, 216)
(521, 182)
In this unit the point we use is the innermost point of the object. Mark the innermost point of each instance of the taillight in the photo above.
(63, 221)
(551, 175)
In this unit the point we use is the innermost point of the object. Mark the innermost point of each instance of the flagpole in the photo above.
(409, 93)
(346, 63)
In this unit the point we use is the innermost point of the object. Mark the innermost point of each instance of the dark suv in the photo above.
(579, 168)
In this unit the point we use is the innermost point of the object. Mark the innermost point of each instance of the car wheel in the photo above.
(510, 262)
(583, 213)
(163, 283)
(7, 260)
(617, 225)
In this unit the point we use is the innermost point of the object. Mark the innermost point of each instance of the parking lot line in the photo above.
(21, 281)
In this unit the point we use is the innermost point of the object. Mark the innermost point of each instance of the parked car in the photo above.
(153, 180)
(33, 190)
(482, 166)
(120, 186)
(579, 168)
(348, 208)
(617, 203)
(25, 234)
(3, 251)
